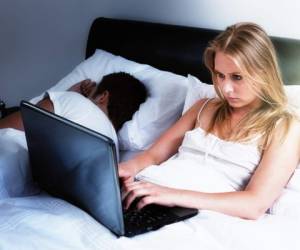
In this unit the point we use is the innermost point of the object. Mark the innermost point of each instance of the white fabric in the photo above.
(15, 173)
(77, 108)
(161, 109)
(293, 93)
(288, 204)
(207, 164)
(197, 90)
(43, 222)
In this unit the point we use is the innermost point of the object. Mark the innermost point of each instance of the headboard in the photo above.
(175, 48)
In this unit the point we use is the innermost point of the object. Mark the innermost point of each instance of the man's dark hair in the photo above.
(126, 93)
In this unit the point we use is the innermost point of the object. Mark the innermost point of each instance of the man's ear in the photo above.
(102, 98)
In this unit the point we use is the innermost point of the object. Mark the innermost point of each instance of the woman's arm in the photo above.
(276, 167)
(14, 120)
(166, 146)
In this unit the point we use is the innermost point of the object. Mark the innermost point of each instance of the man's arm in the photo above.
(86, 87)
(14, 120)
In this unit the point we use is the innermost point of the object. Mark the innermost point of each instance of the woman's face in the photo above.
(232, 84)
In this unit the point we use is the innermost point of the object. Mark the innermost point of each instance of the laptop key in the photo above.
(149, 218)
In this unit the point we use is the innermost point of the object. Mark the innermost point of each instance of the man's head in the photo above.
(120, 96)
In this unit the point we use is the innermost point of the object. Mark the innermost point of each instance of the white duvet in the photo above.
(38, 221)
(43, 222)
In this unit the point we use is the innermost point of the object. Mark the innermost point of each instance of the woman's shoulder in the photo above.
(204, 104)
(205, 109)
(286, 130)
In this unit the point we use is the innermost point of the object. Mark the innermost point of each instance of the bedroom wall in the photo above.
(41, 41)
(276, 16)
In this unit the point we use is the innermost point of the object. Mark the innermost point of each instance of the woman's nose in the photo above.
(227, 87)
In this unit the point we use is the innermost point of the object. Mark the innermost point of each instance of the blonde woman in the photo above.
(243, 146)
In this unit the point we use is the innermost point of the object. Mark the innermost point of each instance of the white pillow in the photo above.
(197, 90)
(293, 93)
(163, 107)
(288, 204)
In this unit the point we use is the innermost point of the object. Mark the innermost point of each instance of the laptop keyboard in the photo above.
(147, 219)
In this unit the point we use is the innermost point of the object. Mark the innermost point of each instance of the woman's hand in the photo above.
(127, 172)
(150, 193)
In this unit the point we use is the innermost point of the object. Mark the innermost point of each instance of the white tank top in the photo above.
(206, 163)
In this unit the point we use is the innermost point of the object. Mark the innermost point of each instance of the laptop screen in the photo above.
(74, 163)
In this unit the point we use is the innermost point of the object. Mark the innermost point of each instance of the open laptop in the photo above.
(80, 166)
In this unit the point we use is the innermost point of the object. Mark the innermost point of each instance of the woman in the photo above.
(246, 138)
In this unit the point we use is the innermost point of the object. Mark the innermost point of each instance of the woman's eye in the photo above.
(237, 77)
(220, 75)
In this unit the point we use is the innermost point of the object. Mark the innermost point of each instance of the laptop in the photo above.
(80, 166)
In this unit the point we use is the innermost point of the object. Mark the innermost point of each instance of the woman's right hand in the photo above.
(127, 171)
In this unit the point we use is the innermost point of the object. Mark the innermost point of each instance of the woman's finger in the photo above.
(146, 200)
(135, 190)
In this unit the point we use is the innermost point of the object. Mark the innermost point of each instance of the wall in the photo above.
(276, 16)
(41, 41)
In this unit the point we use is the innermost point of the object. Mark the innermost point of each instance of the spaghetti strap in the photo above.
(201, 109)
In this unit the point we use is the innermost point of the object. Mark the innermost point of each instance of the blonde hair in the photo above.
(248, 45)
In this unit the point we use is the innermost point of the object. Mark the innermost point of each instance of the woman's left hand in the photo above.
(150, 193)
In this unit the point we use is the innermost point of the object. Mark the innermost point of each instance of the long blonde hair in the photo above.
(248, 45)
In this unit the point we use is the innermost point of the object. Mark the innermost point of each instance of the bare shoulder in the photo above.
(205, 110)
(210, 104)
(287, 136)
(293, 129)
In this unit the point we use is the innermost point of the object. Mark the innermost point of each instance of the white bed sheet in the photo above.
(15, 174)
(43, 222)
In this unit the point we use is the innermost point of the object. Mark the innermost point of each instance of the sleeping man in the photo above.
(104, 108)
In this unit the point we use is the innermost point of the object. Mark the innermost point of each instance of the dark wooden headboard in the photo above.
(175, 48)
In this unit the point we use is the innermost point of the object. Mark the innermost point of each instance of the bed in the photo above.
(31, 219)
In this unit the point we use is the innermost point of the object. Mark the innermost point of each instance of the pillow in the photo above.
(161, 109)
(288, 204)
(197, 90)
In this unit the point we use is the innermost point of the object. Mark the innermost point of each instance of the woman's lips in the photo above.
(233, 98)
